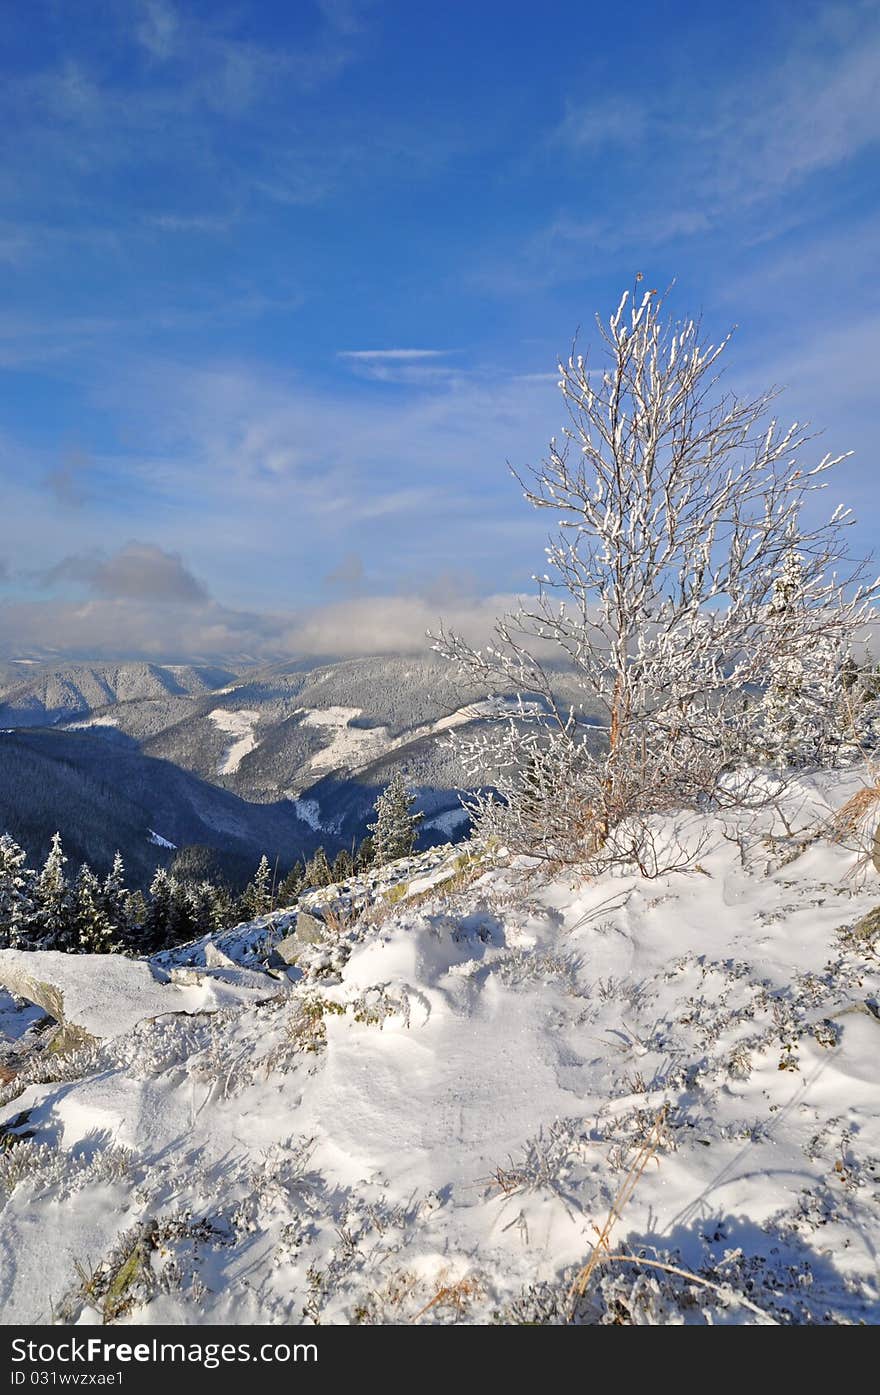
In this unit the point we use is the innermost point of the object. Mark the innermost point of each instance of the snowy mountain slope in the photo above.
(104, 793)
(430, 1119)
(327, 736)
(45, 696)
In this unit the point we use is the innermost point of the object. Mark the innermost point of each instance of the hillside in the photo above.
(313, 744)
(104, 794)
(48, 695)
(428, 1118)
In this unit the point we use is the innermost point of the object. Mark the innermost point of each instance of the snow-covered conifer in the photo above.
(317, 871)
(394, 832)
(54, 906)
(16, 895)
(92, 932)
(159, 911)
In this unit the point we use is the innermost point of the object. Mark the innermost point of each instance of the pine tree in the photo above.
(204, 905)
(16, 895)
(134, 920)
(257, 899)
(114, 895)
(291, 886)
(181, 913)
(157, 922)
(394, 832)
(317, 872)
(343, 865)
(92, 933)
(806, 708)
(54, 913)
(365, 856)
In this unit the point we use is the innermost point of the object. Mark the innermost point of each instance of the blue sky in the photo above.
(284, 286)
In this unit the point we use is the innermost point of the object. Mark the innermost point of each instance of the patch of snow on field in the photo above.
(240, 725)
(448, 821)
(309, 811)
(159, 841)
(352, 747)
(348, 746)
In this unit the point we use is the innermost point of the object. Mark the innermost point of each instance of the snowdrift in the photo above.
(428, 1117)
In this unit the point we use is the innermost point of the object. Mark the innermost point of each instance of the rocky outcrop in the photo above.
(94, 997)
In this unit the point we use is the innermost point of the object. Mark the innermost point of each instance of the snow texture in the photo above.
(106, 995)
(432, 1121)
(240, 725)
(159, 841)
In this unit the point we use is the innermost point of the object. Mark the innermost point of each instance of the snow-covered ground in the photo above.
(351, 746)
(239, 725)
(429, 1118)
(160, 842)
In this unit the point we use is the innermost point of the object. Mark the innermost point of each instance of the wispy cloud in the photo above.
(414, 366)
(699, 158)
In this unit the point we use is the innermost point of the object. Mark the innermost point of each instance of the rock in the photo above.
(868, 928)
(94, 997)
(285, 953)
(309, 930)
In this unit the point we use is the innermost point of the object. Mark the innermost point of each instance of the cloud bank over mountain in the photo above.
(144, 602)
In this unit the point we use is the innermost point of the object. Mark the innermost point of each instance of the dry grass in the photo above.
(602, 1248)
(849, 820)
(339, 919)
(457, 1296)
(603, 1254)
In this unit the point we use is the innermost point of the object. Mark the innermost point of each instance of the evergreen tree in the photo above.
(157, 922)
(134, 919)
(805, 708)
(223, 906)
(291, 886)
(181, 913)
(204, 906)
(54, 914)
(92, 933)
(365, 856)
(16, 895)
(394, 832)
(114, 895)
(317, 871)
(343, 865)
(257, 899)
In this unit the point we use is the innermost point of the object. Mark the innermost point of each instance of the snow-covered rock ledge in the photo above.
(95, 997)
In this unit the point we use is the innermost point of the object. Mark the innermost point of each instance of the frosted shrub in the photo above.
(683, 594)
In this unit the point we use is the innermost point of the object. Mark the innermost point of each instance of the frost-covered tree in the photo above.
(806, 713)
(114, 894)
(159, 911)
(54, 906)
(395, 829)
(16, 895)
(257, 898)
(317, 870)
(206, 910)
(135, 919)
(92, 931)
(679, 506)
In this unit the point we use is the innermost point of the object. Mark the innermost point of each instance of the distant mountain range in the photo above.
(276, 760)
